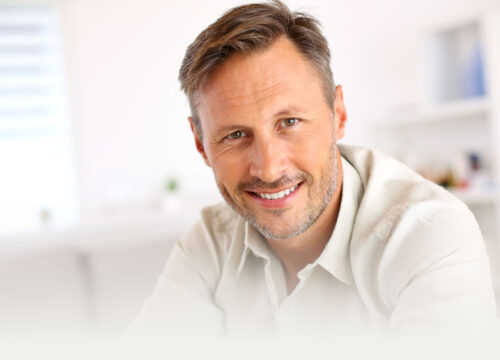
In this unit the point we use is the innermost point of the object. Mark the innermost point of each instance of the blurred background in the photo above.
(99, 175)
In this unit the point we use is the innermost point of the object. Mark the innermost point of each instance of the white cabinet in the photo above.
(453, 135)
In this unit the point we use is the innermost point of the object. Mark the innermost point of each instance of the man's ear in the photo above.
(340, 113)
(198, 142)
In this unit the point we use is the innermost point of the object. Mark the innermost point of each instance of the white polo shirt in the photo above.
(404, 253)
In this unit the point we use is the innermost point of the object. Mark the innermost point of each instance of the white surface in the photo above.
(43, 294)
(449, 112)
(87, 280)
(474, 197)
(81, 283)
(121, 278)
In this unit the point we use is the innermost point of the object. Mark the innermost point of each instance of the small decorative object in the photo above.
(459, 171)
(45, 217)
(170, 196)
(478, 176)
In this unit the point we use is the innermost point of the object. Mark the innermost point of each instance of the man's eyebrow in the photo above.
(230, 128)
(288, 110)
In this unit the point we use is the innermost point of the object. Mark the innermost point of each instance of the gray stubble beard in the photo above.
(328, 179)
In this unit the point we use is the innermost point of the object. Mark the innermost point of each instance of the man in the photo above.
(317, 238)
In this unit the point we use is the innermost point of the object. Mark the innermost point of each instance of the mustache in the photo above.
(284, 181)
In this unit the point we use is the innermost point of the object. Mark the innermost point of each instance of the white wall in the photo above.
(129, 115)
(387, 53)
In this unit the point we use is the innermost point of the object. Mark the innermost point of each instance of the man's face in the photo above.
(269, 137)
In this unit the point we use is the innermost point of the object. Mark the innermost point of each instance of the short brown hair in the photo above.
(247, 28)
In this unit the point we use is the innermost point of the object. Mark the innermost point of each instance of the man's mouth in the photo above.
(277, 195)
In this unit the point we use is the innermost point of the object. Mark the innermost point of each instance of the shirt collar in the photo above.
(335, 257)
(253, 242)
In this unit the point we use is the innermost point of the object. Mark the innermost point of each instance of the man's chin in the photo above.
(259, 219)
(273, 232)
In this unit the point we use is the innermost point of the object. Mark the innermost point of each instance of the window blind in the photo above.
(37, 172)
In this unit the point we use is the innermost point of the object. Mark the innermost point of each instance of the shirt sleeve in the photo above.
(182, 305)
(435, 271)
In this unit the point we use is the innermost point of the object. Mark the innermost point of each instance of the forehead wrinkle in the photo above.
(254, 97)
(254, 82)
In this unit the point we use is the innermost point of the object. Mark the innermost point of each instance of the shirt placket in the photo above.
(285, 313)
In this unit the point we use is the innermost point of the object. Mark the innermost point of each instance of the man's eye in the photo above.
(236, 135)
(289, 122)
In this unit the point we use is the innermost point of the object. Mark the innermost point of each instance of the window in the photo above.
(37, 172)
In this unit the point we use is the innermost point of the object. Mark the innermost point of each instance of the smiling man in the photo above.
(315, 237)
(269, 136)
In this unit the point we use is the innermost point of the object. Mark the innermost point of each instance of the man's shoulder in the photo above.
(209, 242)
(405, 226)
(392, 192)
(373, 165)
(219, 217)
(215, 230)
(390, 183)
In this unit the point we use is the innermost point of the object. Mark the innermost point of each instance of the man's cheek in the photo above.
(225, 178)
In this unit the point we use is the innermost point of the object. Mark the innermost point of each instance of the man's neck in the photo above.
(297, 252)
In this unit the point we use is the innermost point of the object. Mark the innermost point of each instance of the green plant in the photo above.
(171, 185)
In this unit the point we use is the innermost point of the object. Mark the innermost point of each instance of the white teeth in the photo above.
(278, 195)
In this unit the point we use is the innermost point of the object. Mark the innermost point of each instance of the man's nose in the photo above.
(268, 160)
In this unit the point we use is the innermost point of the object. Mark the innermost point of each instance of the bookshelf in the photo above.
(455, 128)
